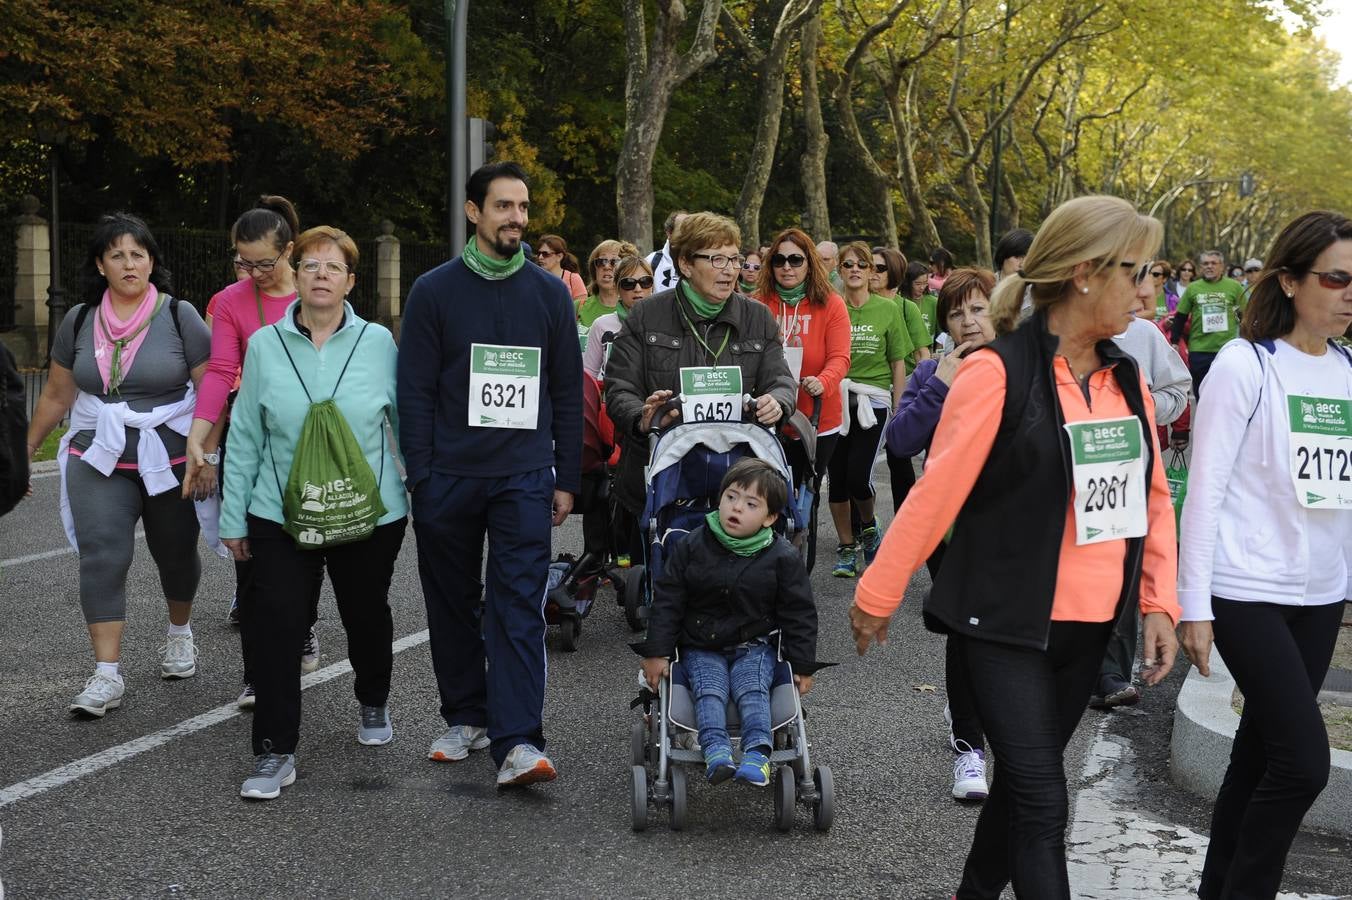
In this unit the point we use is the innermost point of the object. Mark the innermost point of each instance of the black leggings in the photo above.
(1030, 702)
(851, 466)
(903, 478)
(1279, 762)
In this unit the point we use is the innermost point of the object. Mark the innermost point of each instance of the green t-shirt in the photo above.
(1161, 307)
(878, 338)
(929, 311)
(1214, 307)
(915, 329)
(592, 309)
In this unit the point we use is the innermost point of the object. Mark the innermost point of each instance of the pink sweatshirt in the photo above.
(234, 317)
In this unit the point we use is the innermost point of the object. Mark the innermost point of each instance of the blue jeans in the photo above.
(744, 672)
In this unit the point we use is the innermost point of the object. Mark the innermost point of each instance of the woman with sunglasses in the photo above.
(634, 277)
(747, 282)
(815, 328)
(1263, 565)
(603, 294)
(262, 238)
(552, 255)
(1184, 273)
(1044, 469)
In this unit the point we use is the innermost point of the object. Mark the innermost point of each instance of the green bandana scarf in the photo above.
(747, 546)
(745, 288)
(493, 269)
(703, 308)
(791, 296)
(621, 310)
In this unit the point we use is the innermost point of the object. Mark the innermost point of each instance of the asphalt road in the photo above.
(367, 821)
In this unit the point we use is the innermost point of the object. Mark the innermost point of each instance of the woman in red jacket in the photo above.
(815, 328)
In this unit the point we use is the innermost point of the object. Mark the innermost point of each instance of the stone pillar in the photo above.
(387, 278)
(32, 276)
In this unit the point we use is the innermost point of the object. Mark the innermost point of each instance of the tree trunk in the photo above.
(816, 211)
(653, 71)
(922, 222)
(769, 115)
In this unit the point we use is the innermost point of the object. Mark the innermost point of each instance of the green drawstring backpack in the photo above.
(331, 497)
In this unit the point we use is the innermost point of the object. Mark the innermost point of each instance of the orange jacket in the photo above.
(825, 336)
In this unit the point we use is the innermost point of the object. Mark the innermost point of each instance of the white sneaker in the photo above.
(969, 774)
(525, 765)
(246, 699)
(101, 693)
(180, 657)
(456, 744)
(309, 653)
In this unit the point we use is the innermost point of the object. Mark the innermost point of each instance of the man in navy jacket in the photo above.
(490, 423)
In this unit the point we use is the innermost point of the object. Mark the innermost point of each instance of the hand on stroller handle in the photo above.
(662, 409)
(656, 668)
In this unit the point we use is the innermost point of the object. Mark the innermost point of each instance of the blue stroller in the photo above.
(686, 466)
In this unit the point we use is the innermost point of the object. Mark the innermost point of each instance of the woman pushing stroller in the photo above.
(728, 586)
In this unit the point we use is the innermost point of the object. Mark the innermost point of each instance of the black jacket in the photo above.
(998, 578)
(653, 346)
(709, 598)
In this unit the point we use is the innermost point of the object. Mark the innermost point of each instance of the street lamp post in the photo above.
(57, 302)
(457, 148)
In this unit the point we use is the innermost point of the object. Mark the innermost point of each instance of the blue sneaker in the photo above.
(755, 769)
(719, 765)
(846, 561)
(869, 539)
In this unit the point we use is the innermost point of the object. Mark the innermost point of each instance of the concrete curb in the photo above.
(48, 465)
(1204, 727)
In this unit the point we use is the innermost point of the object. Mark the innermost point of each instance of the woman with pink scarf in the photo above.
(125, 365)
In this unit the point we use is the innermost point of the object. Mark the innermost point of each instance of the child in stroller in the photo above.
(727, 587)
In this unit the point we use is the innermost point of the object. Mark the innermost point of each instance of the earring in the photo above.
(1084, 290)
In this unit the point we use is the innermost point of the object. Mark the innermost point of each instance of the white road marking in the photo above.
(49, 554)
(96, 762)
(1116, 852)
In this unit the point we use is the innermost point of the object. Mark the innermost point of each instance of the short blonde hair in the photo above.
(631, 264)
(700, 231)
(321, 234)
(1097, 229)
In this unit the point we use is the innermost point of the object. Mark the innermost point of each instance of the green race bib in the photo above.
(504, 386)
(711, 394)
(1109, 475)
(1321, 446)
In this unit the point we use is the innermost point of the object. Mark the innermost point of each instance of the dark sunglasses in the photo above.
(1334, 281)
(545, 254)
(1251, 271)
(628, 284)
(1190, 270)
(1156, 273)
(1138, 275)
(793, 260)
(852, 264)
(607, 261)
(751, 267)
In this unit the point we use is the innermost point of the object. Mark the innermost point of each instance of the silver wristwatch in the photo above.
(213, 458)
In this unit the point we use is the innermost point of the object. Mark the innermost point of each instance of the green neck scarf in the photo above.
(747, 546)
(746, 288)
(621, 310)
(487, 267)
(703, 308)
(791, 296)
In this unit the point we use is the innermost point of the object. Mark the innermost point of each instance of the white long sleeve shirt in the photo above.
(1245, 536)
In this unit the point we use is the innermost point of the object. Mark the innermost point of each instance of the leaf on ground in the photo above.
(924, 688)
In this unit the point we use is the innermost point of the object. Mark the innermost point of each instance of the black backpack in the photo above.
(13, 434)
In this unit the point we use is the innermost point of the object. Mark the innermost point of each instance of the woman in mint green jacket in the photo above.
(319, 349)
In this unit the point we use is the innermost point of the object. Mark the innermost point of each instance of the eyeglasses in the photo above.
(751, 267)
(609, 262)
(719, 260)
(1189, 270)
(1138, 276)
(545, 254)
(793, 260)
(852, 264)
(1334, 281)
(264, 265)
(330, 267)
(629, 284)
(1156, 273)
(1251, 271)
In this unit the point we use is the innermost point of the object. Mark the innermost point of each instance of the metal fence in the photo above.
(199, 261)
(416, 258)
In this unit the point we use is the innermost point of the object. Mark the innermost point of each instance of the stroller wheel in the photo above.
(638, 743)
(824, 810)
(784, 798)
(639, 798)
(569, 629)
(678, 807)
(633, 597)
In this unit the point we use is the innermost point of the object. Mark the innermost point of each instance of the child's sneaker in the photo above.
(847, 560)
(719, 765)
(755, 769)
(869, 539)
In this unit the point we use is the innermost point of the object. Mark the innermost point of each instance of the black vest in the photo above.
(998, 578)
